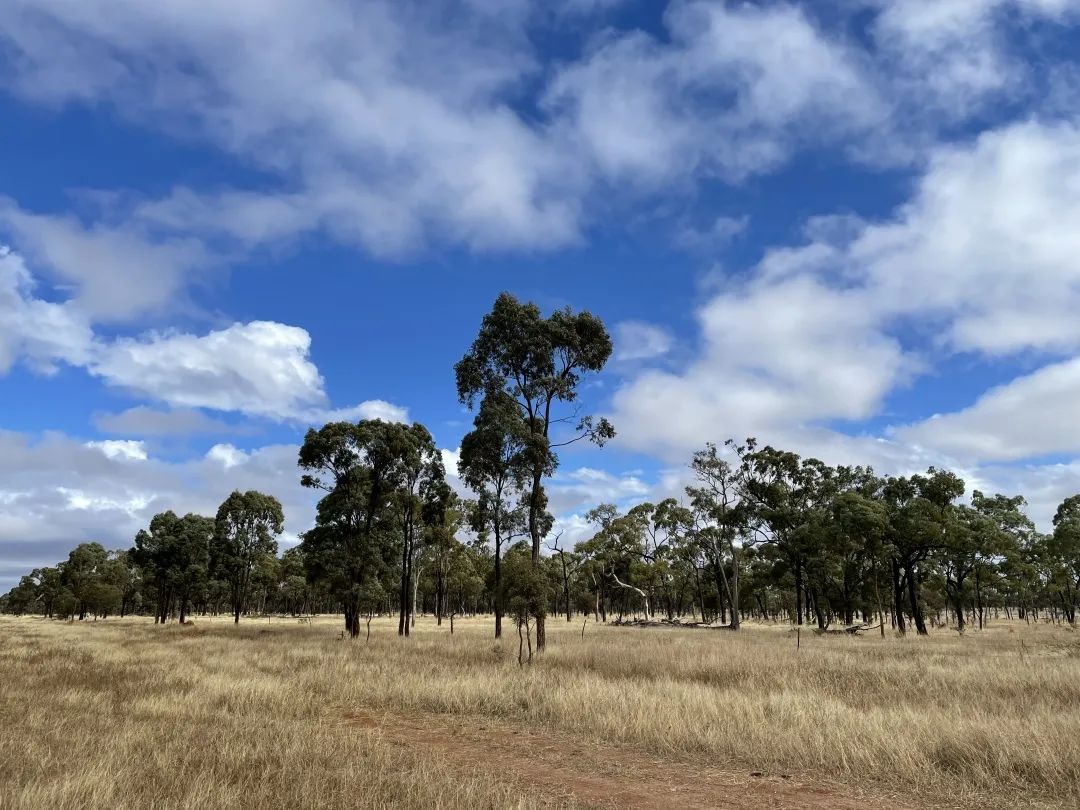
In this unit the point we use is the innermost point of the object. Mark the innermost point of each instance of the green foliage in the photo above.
(526, 588)
(244, 532)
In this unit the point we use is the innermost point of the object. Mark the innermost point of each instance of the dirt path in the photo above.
(607, 776)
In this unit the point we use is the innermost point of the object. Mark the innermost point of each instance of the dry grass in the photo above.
(124, 714)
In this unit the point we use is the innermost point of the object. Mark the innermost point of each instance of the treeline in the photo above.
(759, 533)
(764, 533)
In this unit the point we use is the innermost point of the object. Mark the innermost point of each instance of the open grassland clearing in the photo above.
(274, 713)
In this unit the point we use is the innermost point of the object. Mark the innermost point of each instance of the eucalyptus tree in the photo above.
(667, 528)
(121, 573)
(959, 557)
(922, 515)
(631, 550)
(569, 562)
(493, 463)
(537, 363)
(358, 467)
(861, 522)
(421, 479)
(723, 518)
(245, 529)
(443, 516)
(1061, 551)
(174, 557)
(82, 572)
(193, 536)
(786, 497)
(1008, 530)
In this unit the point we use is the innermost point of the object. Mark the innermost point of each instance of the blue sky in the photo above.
(847, 227)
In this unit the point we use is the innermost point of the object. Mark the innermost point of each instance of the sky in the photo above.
(850, 228)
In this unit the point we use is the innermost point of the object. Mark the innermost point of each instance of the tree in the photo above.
(723, 519)
(921, 517)
(1062, 552)
(861, 523)
(422, 479)
(538, 364)
(493, 464)
(1009, 535)
(526, 594)
(782, 491)
(121, 572)
(193, 537)
(246, 526)
(82, 573)
(442, 519)
(174, 555)
(359, 468)
(569, 562)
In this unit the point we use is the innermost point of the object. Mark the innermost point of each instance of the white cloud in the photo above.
(402, 126)
(371, 409)
(635, 340)
(227, 455)
(981, 260)
(121, 449)
(1032, 415)
(259, 368)
(38, 331)
(734, 91)
(388, 125)
(109, 272)
(986, 247)
(56, 491)
(775, 356)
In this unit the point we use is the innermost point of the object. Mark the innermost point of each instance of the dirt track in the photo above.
(607, 776)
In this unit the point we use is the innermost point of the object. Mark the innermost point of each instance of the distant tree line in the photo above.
(764, 533)
(760, 533)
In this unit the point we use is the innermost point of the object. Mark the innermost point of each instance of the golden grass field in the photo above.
(277, 714)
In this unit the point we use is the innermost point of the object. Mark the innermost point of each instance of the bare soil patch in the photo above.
(604, 775)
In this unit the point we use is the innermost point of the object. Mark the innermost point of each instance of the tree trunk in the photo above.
(798, 594)
(535, 509)
(958, 603)
(736, 616)
(498, 583)
(403, 591)
(913, 596)
(898, 596)
(978, 595)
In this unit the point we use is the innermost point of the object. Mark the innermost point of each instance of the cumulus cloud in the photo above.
(980, 260)
(109, 272)
(774, 355)
(121, 449)
(956, 54)
(383, 143)
(57, 491)
(1030, 416)
(635, 340)
(40, 332)
(412, 123)
(734, 90)
(261, 368)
